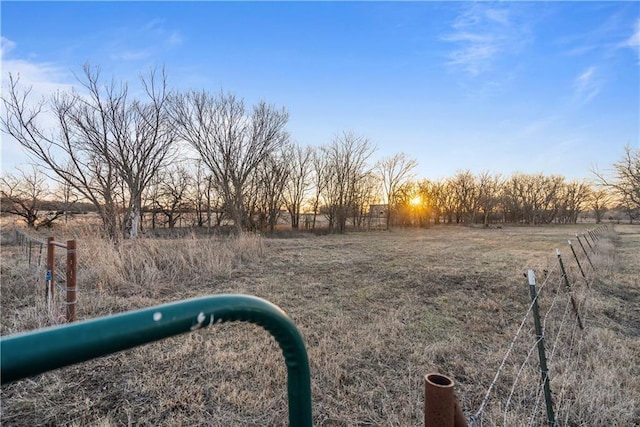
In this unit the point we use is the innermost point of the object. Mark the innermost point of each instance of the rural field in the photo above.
(378, 310)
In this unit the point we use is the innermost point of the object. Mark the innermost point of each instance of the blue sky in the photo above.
(550, 87)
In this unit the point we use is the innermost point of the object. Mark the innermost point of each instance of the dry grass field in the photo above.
(377, 311)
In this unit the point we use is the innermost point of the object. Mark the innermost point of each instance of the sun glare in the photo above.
(416, 201)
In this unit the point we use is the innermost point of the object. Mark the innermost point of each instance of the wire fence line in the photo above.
(476, 418)
(32, 248)
(55, 266)
(515, 395)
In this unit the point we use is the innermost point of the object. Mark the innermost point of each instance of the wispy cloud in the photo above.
(175, 39)
(143, 42)
(131, 55)
(482, 34)
(154, 25)
(587, 85)
(156, 29)
(537, 126)
(6, 46)
(633, 41)
(42, 79)
(607, 38)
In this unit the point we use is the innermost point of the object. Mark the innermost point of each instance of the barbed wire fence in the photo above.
(534, 388)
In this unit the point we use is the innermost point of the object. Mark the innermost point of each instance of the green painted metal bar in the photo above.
(32, 353)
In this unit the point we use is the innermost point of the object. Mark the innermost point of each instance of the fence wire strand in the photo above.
(564, 356)
(536, 407)
(554, 327)
(515, 381)
(476, 417)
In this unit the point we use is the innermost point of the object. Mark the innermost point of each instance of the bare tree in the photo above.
(448, 200)
(599, 200)
(270, 180)
(366, 192)
(152, 199)
(95, 178)
(625, 180)
(172, 199)
(320, 180)
(515, 203)
(551, 192)
(67, 194)
(142, 141)
(110, 142)
(573, 198)
(347, 159)
(393, 172)
(430, 195)
(297, 186)
(201, 194)
(24, 195)
(466, 194)
(489, 187)
(406, 210)
(533, 199)
(231, 142)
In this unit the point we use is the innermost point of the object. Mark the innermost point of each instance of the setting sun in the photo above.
(416, 201)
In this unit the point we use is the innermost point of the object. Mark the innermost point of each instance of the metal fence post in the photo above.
(592, 247)
(586, 254)
(568, 287)
(72, 270)
(51, 274)
(544, 371)
(584, 276)
(40, 254)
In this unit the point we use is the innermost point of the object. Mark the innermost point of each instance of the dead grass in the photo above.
(377, 310)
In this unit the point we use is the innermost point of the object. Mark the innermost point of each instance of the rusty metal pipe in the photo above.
(441, 408)
(58, 244)
(72, 273)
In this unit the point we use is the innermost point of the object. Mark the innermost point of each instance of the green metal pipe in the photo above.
(32, 353)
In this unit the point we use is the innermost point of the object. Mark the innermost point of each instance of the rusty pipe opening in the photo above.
(439, 380)
(441, 407)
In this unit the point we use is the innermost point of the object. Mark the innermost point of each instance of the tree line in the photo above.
(168, 155)
(486, 198)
